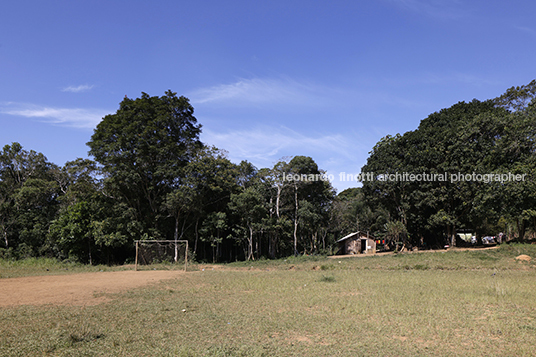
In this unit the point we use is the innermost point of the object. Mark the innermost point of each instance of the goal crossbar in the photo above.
(161, 241)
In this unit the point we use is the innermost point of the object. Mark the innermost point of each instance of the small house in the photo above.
(357, 243)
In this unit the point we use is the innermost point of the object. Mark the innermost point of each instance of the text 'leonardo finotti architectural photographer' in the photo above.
(436, 177)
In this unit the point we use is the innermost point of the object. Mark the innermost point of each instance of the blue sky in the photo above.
(268, 80)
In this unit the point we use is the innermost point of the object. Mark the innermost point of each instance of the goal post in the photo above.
(161, 251)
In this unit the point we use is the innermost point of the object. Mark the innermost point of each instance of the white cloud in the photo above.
(455, 77)
(72, 117)
(525, 29)
(265, 146)
(445, 9)
(260, 91)
(78, 89)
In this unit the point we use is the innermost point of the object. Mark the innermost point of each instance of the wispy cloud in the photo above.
(525, 29)
(455, 77)
(73, 117)
(77, 89)
(445, 9)
(260, 91)
(265, 146)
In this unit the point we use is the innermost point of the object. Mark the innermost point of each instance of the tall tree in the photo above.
(516, 200)
(77, 231)
(28, 199)
(143, 148)
(204, 187)
(308, 185)
(276, 188)
(249, 207)
(454, 141)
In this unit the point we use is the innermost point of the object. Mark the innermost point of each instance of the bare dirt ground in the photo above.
(91, 288)
(76, 289)
(412, 252)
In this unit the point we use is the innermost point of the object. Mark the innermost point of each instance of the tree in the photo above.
(204, 188)
(395, 232)
(308, 185)
(28, 199)
(352, 213)
(143, 149)
(212, 231)
(458, 140)
(387, 158)
(36, 206)
(72, 233)
(248, 205)
(276, 188)
(515, 201)
(77, 231)
(518, 98)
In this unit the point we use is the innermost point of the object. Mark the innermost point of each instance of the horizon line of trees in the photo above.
(152, 178)
(496, 136)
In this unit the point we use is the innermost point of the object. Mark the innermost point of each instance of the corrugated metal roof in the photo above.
(352, 235)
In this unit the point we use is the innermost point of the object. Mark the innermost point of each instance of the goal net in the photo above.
(161, 252)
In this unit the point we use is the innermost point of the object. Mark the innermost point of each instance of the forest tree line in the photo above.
(152, 178)
(492, 138)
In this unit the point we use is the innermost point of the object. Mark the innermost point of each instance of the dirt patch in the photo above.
(76, 289)
(455, 249)
(310, 339)
(524, 257)
(220, 267)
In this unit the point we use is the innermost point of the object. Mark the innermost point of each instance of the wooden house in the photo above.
(357, 243)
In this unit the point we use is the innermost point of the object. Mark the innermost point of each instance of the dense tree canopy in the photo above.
(152, 178)
(142, 149)
(28, 199)
(493, 137)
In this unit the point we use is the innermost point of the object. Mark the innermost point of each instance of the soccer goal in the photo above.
(161, 251)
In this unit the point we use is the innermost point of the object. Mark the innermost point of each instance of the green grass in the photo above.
(429, 304)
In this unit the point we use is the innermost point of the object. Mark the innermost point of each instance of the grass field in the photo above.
(469, 303)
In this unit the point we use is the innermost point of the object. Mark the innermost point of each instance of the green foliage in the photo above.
(518, 98)
(395, 231)
(249, 207)
(327, 279)
(476, 137)
(152, 178)
(28, 200)
(143, 149)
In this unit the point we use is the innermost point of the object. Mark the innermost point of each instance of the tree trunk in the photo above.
(278, 197)
(89, 250)
(453, 236)
(250, 244)
(176, 238)
(296, 221)
(521, 229)
(196, 236)
(272, 247)
(5, 239)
